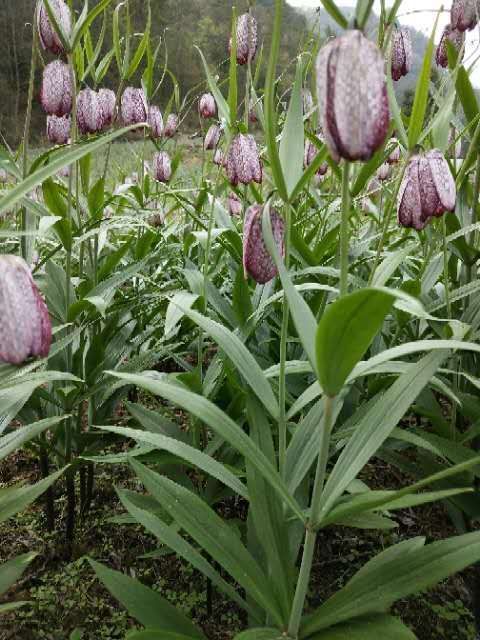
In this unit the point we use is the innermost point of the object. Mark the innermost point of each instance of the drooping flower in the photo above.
(427, 190)
(58, 129)
(171, 126)
(207, 107)
(234, 204)
(49, 38)
(246, 38)
(395, 154)
(309, 156)
(89, 112)
(257, 261)
(162, 169)
(457, 38)
(134, 106)
(242, 161)
(212, 137)
(56, 90)
(219, 158)
(155, 120)
(384, 172)
(108, 101)
(402, 53)
(25, 327)
(353, 103)
(464, 14)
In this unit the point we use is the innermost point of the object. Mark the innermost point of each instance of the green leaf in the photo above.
(223, 108)
(345, 332)
(61, 160)
(19, 436)
(396, 576)
(170, 537)
(376, 425)
(212, 534)
(233, 86)
(302, 316)
(421, 94)
(144, 604)
(186, 452)
(332, 9)
(241, 358)
(367, 628)
(16, 498)
(85, 21)
(362, 13)
(11, 570)
(155, 634)
(260, 634)
(292, 142)
(466, 93)
(221, 424)
(139, 53)
(96, 198)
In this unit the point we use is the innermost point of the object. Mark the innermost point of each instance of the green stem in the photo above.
(446, 277)
(311, 534)
(344, 230)
(282, 385)
(26, 134)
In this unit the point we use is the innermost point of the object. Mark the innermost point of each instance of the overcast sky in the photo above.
(421, 15)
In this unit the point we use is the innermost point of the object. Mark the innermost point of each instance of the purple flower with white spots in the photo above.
(246, 38)
(243, 162)
(464, 14)
(89, 112)
(402, 53)
(384, 172)
(353, 103)
(393, 148)
(257, 261)
(219, 158)
(155, 120)
(56, 90)
(457, 38)
(171, 126)
(162, 169)
(48, 36)
(309, 156)
(427, 190)
(58, 129)
(25, 327)
(234, 204)
(108, 101)
(207, 107)
(134, 106)
(212, 137)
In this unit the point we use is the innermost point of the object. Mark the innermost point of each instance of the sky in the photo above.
(422, 19)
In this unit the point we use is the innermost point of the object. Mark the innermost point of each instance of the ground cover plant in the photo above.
(239, 368)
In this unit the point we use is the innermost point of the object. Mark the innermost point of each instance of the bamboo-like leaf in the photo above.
(292, 142)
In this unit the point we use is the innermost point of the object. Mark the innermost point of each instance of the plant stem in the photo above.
(344, 230)
(282, 383)
(26, 135)
(446, 277)
(311, 534)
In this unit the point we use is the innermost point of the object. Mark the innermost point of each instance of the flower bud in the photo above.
(207, 107)
(257, 261)
(457, 38)
(134, 106)
(243, 162)
(155, 120)
(402, 53)
(56, 90)
(309, 156)
(234, 204)
(108, 101)
(212, 137)
(353, 102)
(48, 36)
(89, 112)
(384, 172)
(162, 169)
(427, 190)
(394, 149)
(58, 129)
(171, 126)
(246, 38)
(219, 158)
(25, 327)
(307, 100)
(464, 14)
